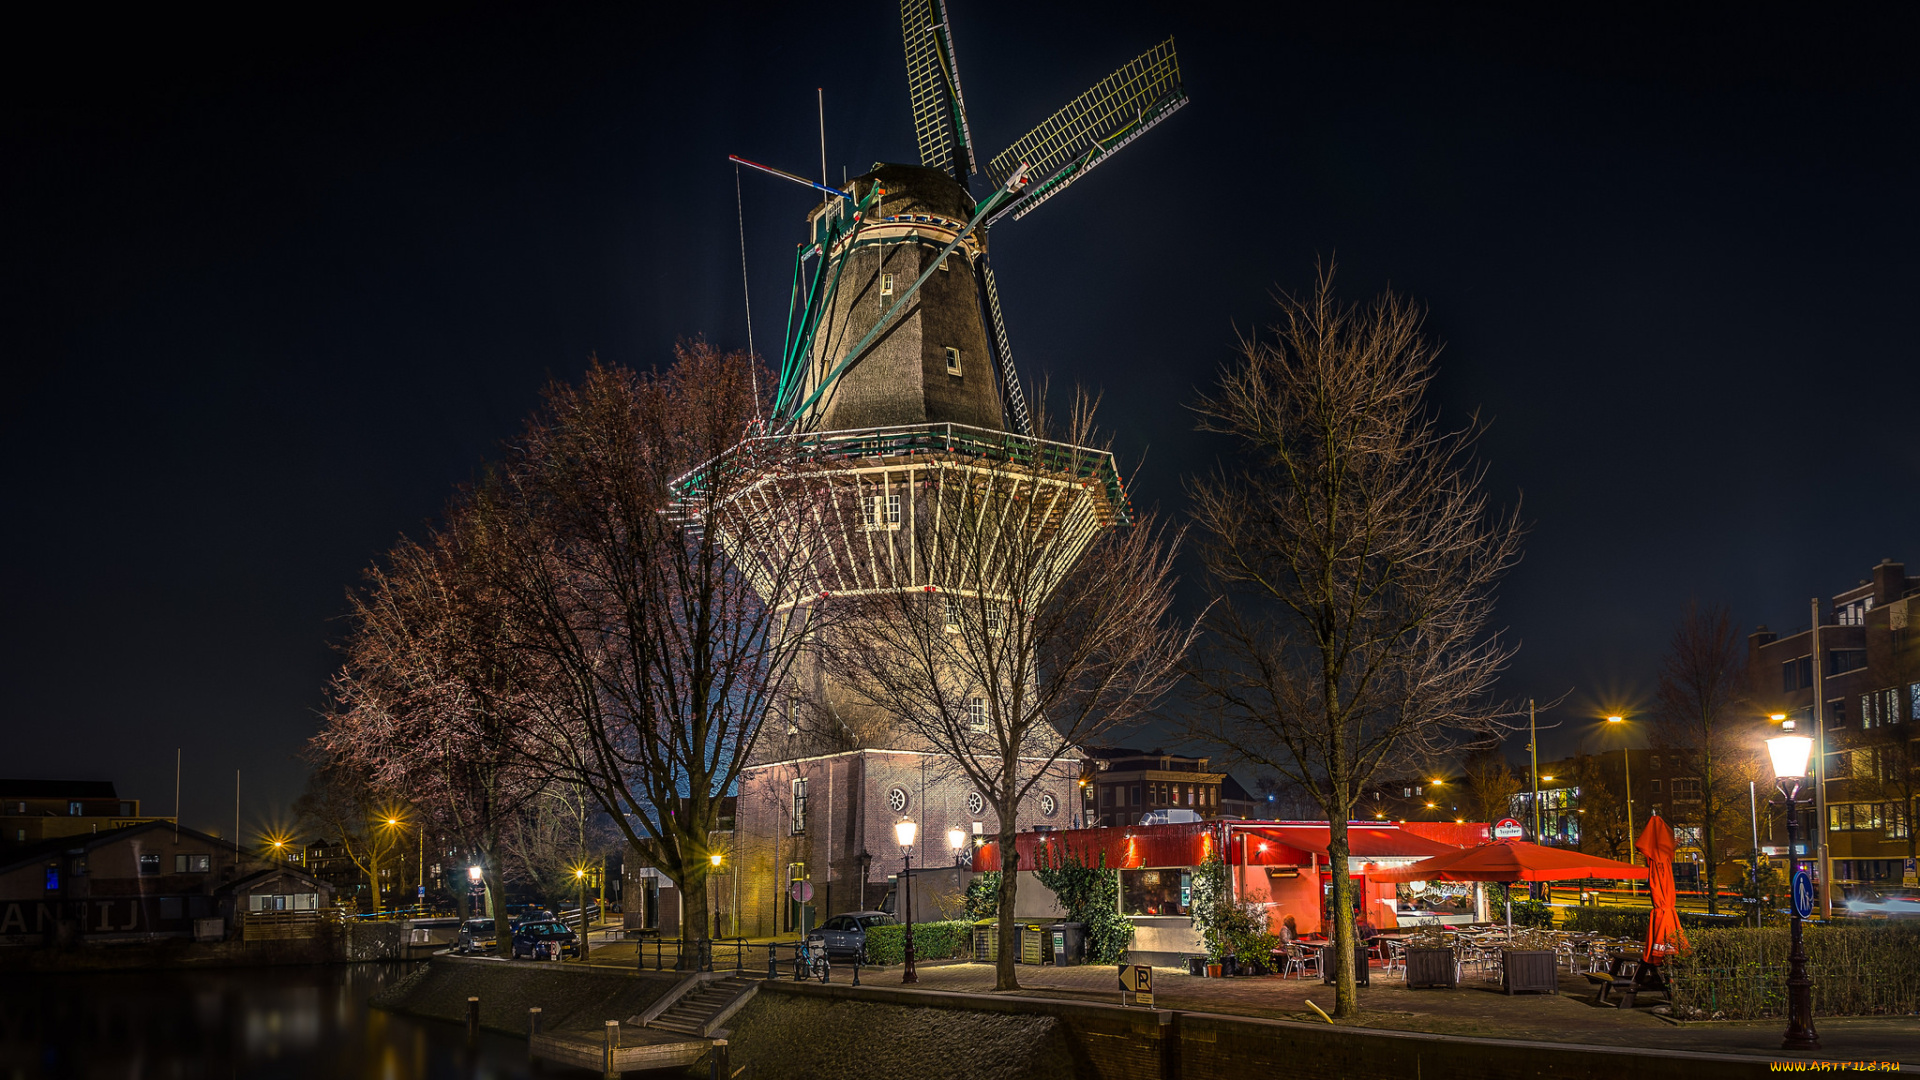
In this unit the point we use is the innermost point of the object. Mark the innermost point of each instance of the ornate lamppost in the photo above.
(904, 832)
(1790, 753)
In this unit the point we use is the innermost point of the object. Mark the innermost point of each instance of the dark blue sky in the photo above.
(272, 289)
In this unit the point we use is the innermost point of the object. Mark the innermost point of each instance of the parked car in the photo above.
(530, 934)
(846, 935)
(476, 935)
(1891, 903)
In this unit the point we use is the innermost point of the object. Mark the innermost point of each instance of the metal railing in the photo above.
(746, 959)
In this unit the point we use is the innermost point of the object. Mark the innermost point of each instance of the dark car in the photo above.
(846, 935)
(527, 936)
(476, 935)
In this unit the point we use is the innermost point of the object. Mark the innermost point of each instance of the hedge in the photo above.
(887, 943)
(1632, 922)
(1738, 973)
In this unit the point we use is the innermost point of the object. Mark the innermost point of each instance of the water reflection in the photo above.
(286, 1023)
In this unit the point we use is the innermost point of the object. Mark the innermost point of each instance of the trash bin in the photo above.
(1033, 944)
(1069, 943)
(986, 941)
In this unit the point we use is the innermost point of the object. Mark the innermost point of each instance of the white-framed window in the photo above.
(799, 805)
(993, 618)
(886, 284)
(881, 511)
(977, 713)
(953, 361)
(953, 613)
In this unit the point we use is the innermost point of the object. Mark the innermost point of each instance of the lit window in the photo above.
(953, 360)
(73, 809)
(886, 284)
(800, 805)
(881, 511)
(977, 713)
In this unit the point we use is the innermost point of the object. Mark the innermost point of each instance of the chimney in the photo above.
(1889, 582)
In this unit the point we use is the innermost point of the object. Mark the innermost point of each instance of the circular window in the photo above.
(897, 800)
(1047, 805)
(975, 804)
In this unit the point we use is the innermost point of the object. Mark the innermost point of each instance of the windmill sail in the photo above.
(1010, 392)
(1116, 111)
(933, 86)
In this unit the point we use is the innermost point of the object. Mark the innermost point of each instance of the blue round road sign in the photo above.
(1803, 894)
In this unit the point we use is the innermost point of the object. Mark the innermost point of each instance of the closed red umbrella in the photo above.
(1664, 935)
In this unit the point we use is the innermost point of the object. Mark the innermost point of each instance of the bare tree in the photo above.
(1354, 559)
(652, 653)
(1032, 623)
(1491, 784)
(344, 804)
(1699, 721)
(1602, 811)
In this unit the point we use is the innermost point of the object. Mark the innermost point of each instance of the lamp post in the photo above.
(1626, 767)
(420, 895)
(1789, 754)
(904, 832)
(716, 860)
(580, 875)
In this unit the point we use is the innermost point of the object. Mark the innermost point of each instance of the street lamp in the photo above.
(904, 832)
(957, 841)
(1789, 754)
(1626, 767)
(580, 875)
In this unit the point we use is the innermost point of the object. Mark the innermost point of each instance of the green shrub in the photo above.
(1091, 896)
(983, 895)
(1209, 907)
(887, 944)
(1740, 973)
(1632, 922)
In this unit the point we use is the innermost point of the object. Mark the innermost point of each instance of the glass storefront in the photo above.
(1166, 891)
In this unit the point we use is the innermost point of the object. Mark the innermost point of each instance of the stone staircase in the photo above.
(697, 1012)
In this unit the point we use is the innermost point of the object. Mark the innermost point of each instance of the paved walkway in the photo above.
(1475, 1009)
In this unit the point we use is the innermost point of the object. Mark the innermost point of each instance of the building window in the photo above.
(149, 864)
(800, 805)
(192, 864)
(53, 878)
(881, 511)
(73, 809)
(1686, 789)
(1913, 701)
(1854, 614)
(886, 284)
(1837, 712)
(1156, 892)
(977, 713)
(1135, 791)
(953, 360)
(1841, 661)
(1655, 784)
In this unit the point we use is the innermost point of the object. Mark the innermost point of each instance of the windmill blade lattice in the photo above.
(933, 87)
(1116, 111)
(1010, 391)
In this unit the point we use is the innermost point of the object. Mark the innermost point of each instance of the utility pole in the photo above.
(1820, 763)
(1533, 750)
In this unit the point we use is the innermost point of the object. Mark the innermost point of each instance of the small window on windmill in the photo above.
(953, 360)
(886, 284)
(882, 511)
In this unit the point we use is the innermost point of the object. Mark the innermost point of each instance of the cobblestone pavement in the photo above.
(1478, 1008)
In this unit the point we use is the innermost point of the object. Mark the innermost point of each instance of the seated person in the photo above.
(1289, 930)
(1363, 927)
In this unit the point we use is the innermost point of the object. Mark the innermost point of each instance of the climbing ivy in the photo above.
(1090, 895)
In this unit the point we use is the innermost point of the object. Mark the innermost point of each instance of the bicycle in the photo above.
(810, 959)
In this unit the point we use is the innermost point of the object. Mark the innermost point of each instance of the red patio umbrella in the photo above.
(1664, 935)
(1512, 860)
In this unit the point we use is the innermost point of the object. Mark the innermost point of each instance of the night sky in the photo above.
(273, 289)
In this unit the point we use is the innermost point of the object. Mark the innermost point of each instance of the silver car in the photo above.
(846, 935)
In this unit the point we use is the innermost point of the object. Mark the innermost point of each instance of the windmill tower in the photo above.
(899, 406)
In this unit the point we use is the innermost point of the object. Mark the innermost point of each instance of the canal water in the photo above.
(287, 1023)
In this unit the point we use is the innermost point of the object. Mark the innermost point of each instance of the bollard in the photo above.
(857, 954)
(533, 1021)
(613, 1043)
(719, 1067)
(473, 1017)
(771, 973)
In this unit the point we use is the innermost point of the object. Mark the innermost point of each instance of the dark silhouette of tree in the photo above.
(1701, 720)
(1354, 560)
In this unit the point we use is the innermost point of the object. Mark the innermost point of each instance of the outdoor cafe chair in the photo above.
(1300, 961)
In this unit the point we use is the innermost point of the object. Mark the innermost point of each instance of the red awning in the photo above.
(1513, 860)
(1363, 842)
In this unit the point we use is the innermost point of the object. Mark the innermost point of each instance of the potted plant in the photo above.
(1211, 911)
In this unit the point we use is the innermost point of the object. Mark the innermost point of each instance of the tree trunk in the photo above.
(1003, 974)
(1712, 859)
(1345, 997)
(695, 922)
(497, 909)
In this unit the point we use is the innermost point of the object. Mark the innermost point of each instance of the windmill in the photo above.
(899, 461)
(847, 361)
(897, 385)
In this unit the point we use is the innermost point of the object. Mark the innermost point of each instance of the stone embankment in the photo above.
(569, 997)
